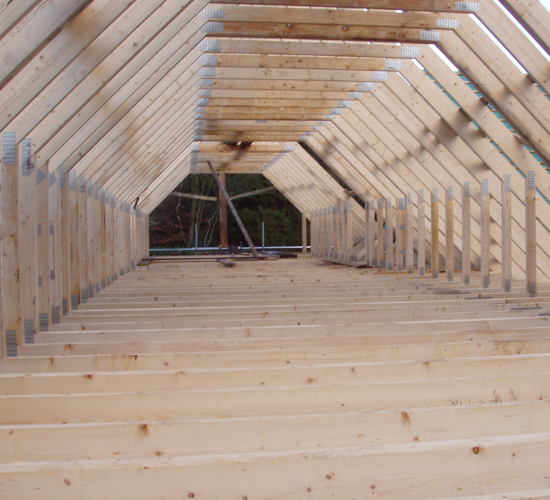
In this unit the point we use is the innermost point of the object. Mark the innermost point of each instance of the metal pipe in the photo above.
(216, 249)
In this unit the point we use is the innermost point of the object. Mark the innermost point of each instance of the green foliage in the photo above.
(173, 221)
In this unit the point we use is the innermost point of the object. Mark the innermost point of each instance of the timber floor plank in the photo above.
(283, 376)
(283, 380)
(188, 355)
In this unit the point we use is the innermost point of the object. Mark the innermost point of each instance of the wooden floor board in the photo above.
(283, 379)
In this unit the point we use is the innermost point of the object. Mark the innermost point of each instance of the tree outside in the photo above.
(172, 223)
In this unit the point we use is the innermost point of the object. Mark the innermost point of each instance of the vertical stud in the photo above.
(313, 232)
(335, 232)
(401, 235)
(83, 238)
(435, 234)
(466, 235)
(104, 202)
(380, 215)
(322, 233)
(531, 238)
(330, 232)
(409, 240)
(485, 234)
(114, 239)
(55, 248)
(74, 248)
(12, 331)
(421, 234)
(350, 239)
(90, 246)
(304, 233)
(98, 230)
(449, 237)
(390, 216)
(28, 263)
(371, 233)
(43, 247)
(507, 233)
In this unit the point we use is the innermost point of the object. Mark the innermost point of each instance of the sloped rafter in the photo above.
(515, 97)
(25, 29)
(124, 93)
(491, 126)
(516, 42)
(309, 186)
(529, 15)
(117, 43)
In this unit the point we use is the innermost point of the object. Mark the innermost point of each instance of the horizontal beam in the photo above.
(307, 47)
(278, 124)
(211, 120)
(229, 169)
(294, 74)
(251, 135)
(317, 32)
(250, 111)
(279, 95)
(300, 62)
(220, 149)
(343, 17)
(423, 5)
(267, 103)
(283, 83)
(265, 116)
(243, 158)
